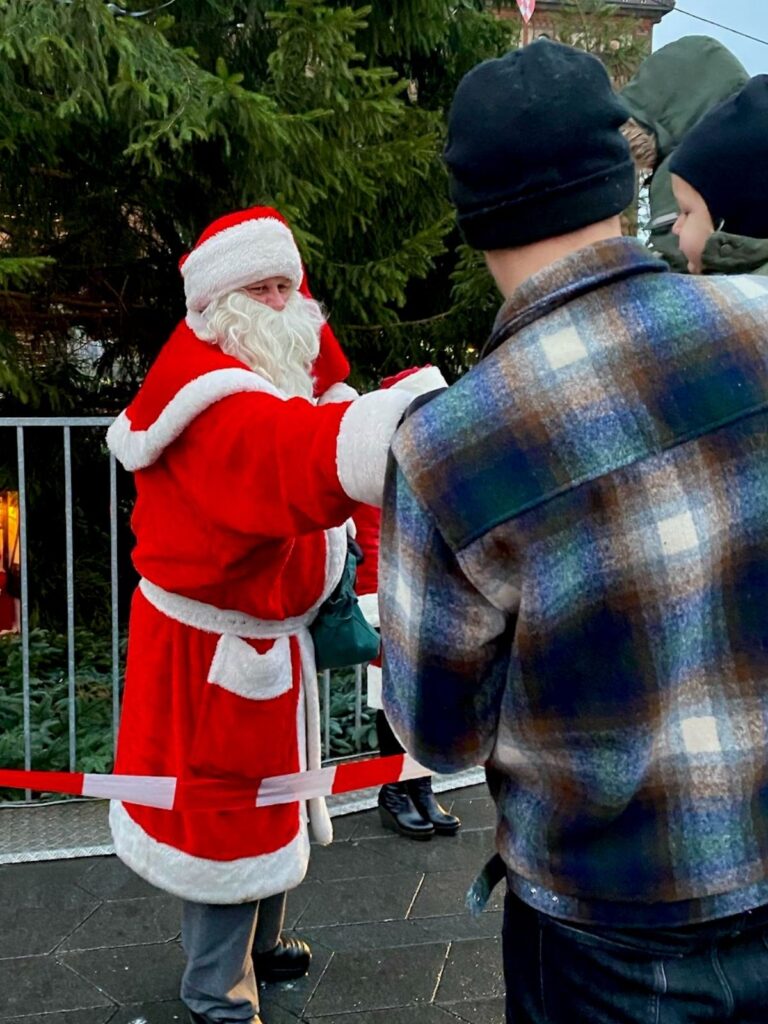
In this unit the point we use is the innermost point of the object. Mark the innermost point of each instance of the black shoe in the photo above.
(288, 960)
(200, 1018)
(425, 802)
(398, 813)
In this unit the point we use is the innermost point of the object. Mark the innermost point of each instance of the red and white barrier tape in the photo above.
(195, 794)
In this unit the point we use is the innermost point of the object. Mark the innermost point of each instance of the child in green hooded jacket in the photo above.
(720, 183)
(671, 91)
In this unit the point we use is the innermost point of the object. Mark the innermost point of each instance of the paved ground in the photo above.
(87, 942)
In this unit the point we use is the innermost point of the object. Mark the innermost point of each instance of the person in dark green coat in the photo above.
(670, 93)
(720, 183)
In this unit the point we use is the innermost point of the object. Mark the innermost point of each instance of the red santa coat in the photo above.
(242, 497)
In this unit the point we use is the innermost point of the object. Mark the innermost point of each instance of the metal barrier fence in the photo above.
(66, 425)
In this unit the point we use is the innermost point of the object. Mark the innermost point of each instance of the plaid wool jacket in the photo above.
(574, 583)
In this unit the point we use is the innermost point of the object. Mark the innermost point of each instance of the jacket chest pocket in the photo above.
(246, 723)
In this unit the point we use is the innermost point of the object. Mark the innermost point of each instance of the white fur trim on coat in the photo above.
(373, 688)
(319, 818)
(338, 392)
(236, 256)
(208, 881)
(244, 671)
(365, 434)
(198, 324)
(137, 449)
(369, 606)
(211, 619)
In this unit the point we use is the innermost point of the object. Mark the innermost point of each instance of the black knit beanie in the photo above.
(534, 148)
(725, 158)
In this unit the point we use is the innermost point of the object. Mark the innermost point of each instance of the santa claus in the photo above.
(250, 456)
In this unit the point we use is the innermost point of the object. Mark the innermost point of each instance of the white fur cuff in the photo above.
(428, 378)
(363, 443)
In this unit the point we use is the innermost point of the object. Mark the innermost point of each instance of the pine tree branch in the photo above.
(107, 308)
(397, 325)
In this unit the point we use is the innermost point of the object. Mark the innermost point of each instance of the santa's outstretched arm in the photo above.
(278, 467)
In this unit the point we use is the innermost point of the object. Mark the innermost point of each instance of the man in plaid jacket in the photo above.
(574, 577)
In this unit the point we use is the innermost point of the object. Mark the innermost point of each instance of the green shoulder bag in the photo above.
(341, 635)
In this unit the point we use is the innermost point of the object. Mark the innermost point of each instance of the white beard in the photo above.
(280, 345)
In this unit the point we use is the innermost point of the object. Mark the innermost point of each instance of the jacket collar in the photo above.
(576, 274)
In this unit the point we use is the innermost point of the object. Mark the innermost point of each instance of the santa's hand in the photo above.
(417, 381)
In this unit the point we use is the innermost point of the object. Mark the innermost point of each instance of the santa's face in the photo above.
(276, 334)
(272, 291)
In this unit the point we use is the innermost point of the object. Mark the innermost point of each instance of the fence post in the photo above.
(25, 698)
(113, 569)
(71, 698)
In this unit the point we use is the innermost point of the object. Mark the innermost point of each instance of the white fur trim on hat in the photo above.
(250, 251)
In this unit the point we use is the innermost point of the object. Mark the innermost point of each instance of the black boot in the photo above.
(398, 813)
(425, 802)
(289, 959)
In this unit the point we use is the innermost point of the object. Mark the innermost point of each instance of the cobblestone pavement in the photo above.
(87, 942)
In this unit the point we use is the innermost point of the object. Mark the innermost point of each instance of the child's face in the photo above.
(694, 225)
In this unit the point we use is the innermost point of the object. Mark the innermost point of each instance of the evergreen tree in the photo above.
(124, 136)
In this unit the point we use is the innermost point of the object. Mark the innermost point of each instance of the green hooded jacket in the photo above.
(735, 254)
(670, 93)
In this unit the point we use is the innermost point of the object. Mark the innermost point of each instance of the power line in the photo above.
(726, 28)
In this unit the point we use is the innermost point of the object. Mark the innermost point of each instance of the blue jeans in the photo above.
(562, 973)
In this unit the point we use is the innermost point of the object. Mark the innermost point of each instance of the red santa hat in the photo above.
(243, 247)
(234, 251)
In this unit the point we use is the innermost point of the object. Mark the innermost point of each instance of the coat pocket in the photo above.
(242, 670)
(246, 723)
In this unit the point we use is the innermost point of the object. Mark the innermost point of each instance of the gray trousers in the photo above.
(219, 940)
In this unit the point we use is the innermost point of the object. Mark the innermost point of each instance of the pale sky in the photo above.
(749, 16)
